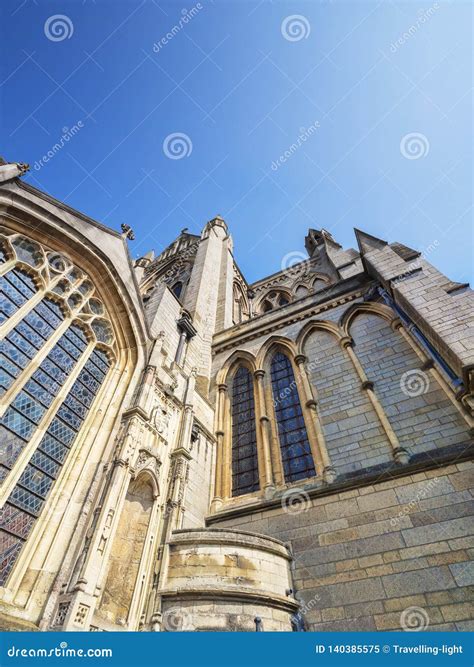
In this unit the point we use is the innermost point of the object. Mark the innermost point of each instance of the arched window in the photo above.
(294, 445)
(244, 439)
(177, 289)
(34, 418)
(274, 300)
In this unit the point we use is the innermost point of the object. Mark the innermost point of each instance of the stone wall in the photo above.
(363, 556)
(224, 580)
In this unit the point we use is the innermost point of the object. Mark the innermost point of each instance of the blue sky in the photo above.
(374, 97)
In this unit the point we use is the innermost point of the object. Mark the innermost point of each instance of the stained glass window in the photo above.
(16, 288)
(30, 407)
(28, 496)
(294, 445)
(244, 440)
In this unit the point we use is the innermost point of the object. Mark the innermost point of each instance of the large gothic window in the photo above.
(56, 352)
(294, 445)
(244, 440)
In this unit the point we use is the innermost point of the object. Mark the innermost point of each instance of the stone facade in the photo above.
(182, 450)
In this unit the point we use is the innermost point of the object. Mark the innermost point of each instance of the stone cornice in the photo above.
(346, 290)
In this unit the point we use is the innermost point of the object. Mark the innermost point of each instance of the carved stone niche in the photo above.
(147, 460)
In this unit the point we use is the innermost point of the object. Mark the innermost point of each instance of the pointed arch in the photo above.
(365, 307)
(272, 344)
(232, 362)
(313, 325)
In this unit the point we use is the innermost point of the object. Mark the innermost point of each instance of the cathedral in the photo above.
(184, 451)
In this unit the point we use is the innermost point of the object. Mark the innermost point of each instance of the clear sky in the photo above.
(370, 101)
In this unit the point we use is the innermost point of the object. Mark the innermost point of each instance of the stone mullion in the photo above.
(264, 423)
(7, 266)
(321, 457)
(61, 483)
(427, 364)
(23, 310)
(42, 427)
(34, 364)
(400, 454)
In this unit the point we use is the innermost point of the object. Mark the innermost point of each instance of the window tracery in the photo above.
(62, 314)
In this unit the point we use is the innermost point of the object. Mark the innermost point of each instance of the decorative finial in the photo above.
(127, 232)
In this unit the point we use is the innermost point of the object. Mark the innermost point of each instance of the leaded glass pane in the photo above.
(25, 500)
(51, 369)
(16, 521)
(30, 335)
(103, 331)
(294, 445)
(6, 288)
(76, 336)
(93, 370)
(69, 347)
(27, 405)
(69, 417)
(87, 379)
(39, 392)
(73, 404)
(51, 312)
(49, 445)
(17, 423)
(244, 442)
(10, 547)
(46, 381)
(45, 463)
(28, 251)
(21, 342)
(82, 393)
(61, 432)
(13, 353)
(23, 282)
(7, 307)
(6, 380)
(37, 323)
(62, 359)
(101, 360)
(10, 447)
(35, 480)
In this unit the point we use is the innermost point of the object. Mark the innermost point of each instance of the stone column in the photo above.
(218, 491)
(264, 422)
(400, 454)
(310, 405)
(427, 364)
